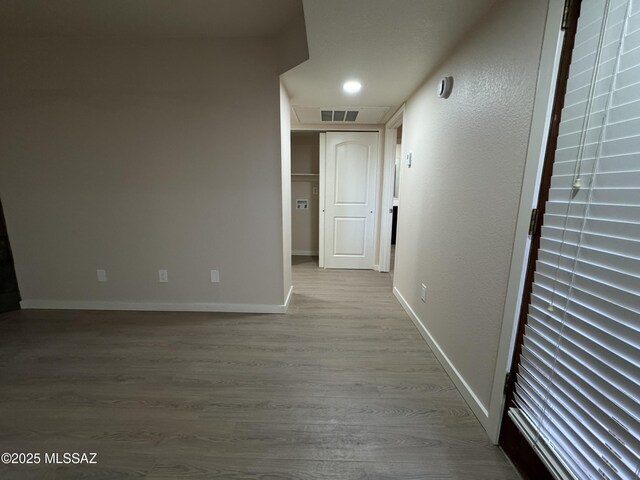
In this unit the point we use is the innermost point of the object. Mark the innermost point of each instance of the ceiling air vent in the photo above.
(352, 115)
(339, 115)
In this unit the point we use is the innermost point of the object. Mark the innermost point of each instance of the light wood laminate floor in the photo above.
(342, 387)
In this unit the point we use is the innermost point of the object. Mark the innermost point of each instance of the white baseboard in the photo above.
(287, 300)
(156, 307)
(468, 394)
(304, 253)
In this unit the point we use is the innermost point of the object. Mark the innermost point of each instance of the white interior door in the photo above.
(351, 160)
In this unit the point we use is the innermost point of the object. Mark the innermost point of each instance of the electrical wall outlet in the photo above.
(409, 159)
(215, 276)
(102, 275)
(163, 276)
(423, 293)
(315, 190)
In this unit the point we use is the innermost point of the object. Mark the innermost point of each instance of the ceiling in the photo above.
(389, 45)
(146, 18)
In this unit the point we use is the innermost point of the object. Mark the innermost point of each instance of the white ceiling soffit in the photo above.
(147, 18)
(341, 114)
(389, 45)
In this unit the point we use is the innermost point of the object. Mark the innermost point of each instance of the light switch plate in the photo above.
(163, 276)
(215, 276)
(423, 293)
(102, 275)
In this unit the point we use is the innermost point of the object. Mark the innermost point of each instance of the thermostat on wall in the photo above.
(445, 86)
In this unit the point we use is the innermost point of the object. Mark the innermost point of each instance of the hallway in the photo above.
(342, 387)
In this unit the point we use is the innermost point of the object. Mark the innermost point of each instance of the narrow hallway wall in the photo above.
(460, 197)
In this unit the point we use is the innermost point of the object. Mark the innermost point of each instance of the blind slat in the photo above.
(574, 428)
(586, 303)
(627, 213)
(605, 293)
(609, 429)
(577, 347)
(616, 196)
(628, 284)
(569, 448)
(613, 245)
(621, 342)
(594, 240)
(620, 407)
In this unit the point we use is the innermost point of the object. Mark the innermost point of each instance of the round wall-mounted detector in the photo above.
(445, 86)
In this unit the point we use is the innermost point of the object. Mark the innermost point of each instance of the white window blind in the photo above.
(578, 384)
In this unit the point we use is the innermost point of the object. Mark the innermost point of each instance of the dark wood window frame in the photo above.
(511, 440)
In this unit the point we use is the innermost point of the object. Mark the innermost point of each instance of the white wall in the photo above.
(137, 155)
(459, 200)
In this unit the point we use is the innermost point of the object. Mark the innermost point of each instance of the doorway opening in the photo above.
(396, 196)
(9, 292)
(334, 192)
(305, 197)
(391, 186)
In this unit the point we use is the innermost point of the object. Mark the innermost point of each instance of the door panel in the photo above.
(350, 179)
(350, 234)
(352, 165)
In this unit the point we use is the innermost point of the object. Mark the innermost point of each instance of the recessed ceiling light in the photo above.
(352, 86)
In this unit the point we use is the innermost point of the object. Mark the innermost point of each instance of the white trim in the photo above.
(305, 253)
(376, 268)
(541, 118)
(388, 169)
(336, 127)
(287, 300)
(368, 259)
(322, 173)
(379, 161)
(156, 306)
(378, 199)
(467, 393)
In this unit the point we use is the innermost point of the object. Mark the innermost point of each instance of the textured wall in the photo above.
(138, 155)
(459, 200)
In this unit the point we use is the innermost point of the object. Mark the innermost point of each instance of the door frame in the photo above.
(322, 162)
(386, 207)
(541, 120)
(326, 186)
(512, 441)
(333, 127)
